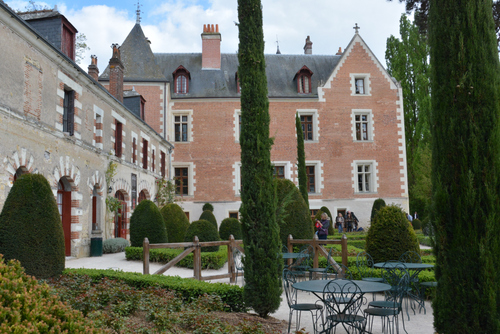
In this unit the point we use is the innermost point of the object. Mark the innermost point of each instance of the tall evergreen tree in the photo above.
(465, 165)
(301, 160)
(262, 289)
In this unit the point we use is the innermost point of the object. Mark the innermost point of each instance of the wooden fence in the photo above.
(195, 247)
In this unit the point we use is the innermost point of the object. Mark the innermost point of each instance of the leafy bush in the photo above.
(295, 218)
(115, 245)
(176, 222)
(230, 226)
(417, 224)
(209, 216)
(390, 235)
(205, 232)
(29, 307)
(31, 229)
(147, 222)
(208, 206)
(377, 205)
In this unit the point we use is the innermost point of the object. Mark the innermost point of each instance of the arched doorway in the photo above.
(64, 206)
(20, 171)
(120, 217)
(142, 196)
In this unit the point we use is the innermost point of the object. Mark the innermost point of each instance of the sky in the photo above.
(176, 25)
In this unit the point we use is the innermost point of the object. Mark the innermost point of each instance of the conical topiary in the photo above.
(208, 215)
(205, 231)
(176, 222)
(31, 229)
(208, 206)
(377, 205)
(147, 222)
(230, 226)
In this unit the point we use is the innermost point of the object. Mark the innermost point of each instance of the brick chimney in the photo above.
(93, 69)
(308, 48)
(210, 47)
(339, 53)
(116, 74)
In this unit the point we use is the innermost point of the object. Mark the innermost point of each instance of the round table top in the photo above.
(319, 285)
(290, 255)
(409, 265)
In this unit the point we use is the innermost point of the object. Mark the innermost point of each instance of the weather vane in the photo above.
(138, 12)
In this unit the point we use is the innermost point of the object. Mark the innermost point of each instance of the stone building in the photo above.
(350, 108)
(57, 120)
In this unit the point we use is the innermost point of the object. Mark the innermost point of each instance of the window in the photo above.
(144, 154)
(279, 172)
(69, 112)
(118, 139)
(311, 179)
(314, 212)
(95, 209)
(360, 84)
(134, 150)
(364, 177)
(187, 214)
(153, 161)
(162, 161)
(181, 181)
(237, 125)
(181, 128)
(307, 127)
(238, 86)
(303, 77)
(362, 125)
(143, 108)
(133, 179)
(181, 80)
(233, 214)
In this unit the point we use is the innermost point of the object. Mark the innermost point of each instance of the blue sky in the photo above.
(176, 25)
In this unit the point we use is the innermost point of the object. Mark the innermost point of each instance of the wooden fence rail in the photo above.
(195, 247)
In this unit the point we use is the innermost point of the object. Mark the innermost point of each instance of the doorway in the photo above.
(64, 206)
(120, 217)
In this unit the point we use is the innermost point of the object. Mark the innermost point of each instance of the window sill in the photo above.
(182, 142)
(315, 194)
(311, 141)
(363, 141)
(365, 193)
(96, 232)
(361, 94)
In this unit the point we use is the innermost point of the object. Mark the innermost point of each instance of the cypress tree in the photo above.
(465, 165)
(262, 290)
(301, 160)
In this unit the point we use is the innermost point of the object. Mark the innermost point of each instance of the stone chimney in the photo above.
(339, 53)
(93, 69)
(116, 74)
(210, 48)
(308, 48)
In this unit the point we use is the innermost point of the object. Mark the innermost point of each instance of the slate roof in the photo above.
(142, 65)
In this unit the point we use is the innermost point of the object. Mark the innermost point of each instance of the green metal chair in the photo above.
(303, 263)
(364, 264)
(238, 262)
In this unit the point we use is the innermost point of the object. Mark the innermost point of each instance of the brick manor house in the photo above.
(350, 108)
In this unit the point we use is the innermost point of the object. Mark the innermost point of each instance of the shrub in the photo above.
(417, 224)
(176, 222)
(377, 205)
(209, 216)
(205, 231)
(390, 235)
(31, 229)
(115, 245)
(230, 226)
(147, 222)
(29, 307)
(208, 206)
(295, 218)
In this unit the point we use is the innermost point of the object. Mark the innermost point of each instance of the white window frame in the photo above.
(368, 112)
(189, 114)
(191, 179)
(373, 179)
(318, 176)
(236, 123)
(237, 178)
(287, 168)
(366, 83)
(315, 121)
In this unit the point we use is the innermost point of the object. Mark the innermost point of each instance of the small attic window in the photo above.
(304, 80)
(181, 80)
(238, 87)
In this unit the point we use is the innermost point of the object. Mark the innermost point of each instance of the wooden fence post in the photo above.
(344, 250)
(197, 258)
(145, 256)
(315, 250)
(230, 260)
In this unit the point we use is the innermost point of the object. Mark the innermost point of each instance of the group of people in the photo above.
(349, 223)
(410, 217)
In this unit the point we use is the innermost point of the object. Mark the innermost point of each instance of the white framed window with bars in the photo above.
(360, 84)
(365, 176)
(362, 125)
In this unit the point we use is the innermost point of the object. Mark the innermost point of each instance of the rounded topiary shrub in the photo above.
(230, 226)
(208, 206)
(293, 214)
(205, 231)
(390, 235)
(176, 222)
(208, 215)
(377, 205)
(115, 245)
(147, 222)
(31, 229)
(417, 224)
(30, 307)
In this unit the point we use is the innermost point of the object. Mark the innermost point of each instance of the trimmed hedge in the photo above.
(187, 288)
(147, 222)
(209, 216)
(205, 231)
(230, 226)
(31, 229)
(176, 222)
(208, 206)
(209, 260)
(377, 205)
(115, 245)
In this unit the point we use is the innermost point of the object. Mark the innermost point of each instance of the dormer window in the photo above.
(238, 87)
(181, 80)
(304, 80)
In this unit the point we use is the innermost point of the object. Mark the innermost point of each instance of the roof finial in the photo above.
(278, 52)
(138, 12)
(356, 28)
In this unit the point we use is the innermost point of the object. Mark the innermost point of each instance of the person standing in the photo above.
(323, 226)
(339, 222)
(415, 216)
(349, 220)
